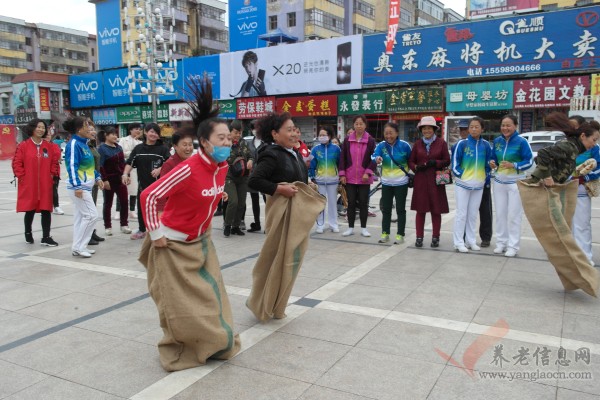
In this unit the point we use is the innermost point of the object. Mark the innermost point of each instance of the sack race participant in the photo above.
(184, 275)
(290, 213)
(549, 199)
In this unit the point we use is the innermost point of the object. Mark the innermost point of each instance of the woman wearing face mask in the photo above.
(356, 173)
(323, 171)
(429, 154)
(236, 184)
(393, 155)
(184, 275)
(147, 158)
(470, 166)
(35, 165)
(511, 156)
(82, 178)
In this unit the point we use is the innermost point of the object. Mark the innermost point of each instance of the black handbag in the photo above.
(238, 167)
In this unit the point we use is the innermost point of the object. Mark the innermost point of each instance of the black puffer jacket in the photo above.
(275, 165)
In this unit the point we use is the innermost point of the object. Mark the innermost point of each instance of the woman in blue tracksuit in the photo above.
(470, 166)
(393, 155)
(512, 156)
(323, 170)
(82, 178)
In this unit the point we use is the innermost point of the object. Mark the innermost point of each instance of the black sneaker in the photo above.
(419, 242)
(48, 241)
(29, 238)
(96, 237)
(93, 242)
(435, 242)
(254, 227)
(237, 231)
(227, 230)
(485, 243)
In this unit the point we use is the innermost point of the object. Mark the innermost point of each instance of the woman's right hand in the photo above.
(126, 180)
(343, 180)
(79, 194)
(162, 242)
(378, 160)
(107, 185)
(288, 191)
(493, 164)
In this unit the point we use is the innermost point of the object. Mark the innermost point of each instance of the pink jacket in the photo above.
(355, 159)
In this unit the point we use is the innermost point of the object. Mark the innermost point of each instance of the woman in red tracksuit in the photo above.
(35, 164)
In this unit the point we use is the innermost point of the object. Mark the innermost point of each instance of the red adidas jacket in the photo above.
(194, 188)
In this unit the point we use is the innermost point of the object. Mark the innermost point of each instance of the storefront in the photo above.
(409, 105)
(309, 112)
(372, 105)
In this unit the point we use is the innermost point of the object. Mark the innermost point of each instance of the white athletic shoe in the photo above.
(319, 229)
(364, 232)
(510, 253)
(108, 232)
(58, 211)
(462, 249)
(90, 251)
(499, 250)
(474, 247)
(82, 253)
(348, 232)
(125, 229)
(335, 230)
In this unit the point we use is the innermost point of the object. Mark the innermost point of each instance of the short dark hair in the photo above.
(74, 124)
(236, 124)
(102, 134)
(32, 125)
(183, 133)
(272, 122)
(580, 120)
(327, 129)
(360, 116)
(392, 125)
(133, 126)
(249, 57)
(478, 119)
(512, 117)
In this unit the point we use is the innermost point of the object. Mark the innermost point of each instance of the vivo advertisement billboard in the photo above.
(108, 22)
(315, 66)
(559, 41)
(197, 67)
(86, 90)
(116, 87)
(247, 20)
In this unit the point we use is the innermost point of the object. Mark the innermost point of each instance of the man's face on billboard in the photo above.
(251, 69)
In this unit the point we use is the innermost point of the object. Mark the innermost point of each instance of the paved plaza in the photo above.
(365, 321)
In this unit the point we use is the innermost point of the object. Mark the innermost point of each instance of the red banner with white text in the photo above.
(393, 20)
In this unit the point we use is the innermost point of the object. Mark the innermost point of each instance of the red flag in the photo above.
(394, 18)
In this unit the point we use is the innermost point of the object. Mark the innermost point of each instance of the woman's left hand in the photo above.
(100, 185)
(155, 172)
(162, 242)
(365, 178)
(549, 181)
(225, 196)
(249, 165)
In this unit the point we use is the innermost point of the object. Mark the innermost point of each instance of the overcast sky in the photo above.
(81, 15)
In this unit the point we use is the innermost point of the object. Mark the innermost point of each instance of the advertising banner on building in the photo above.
(196, 67)
(227, 109)
(480, 96)
(86, 90)
(595, 86)
(314, 66)
(549, 92)
(129, 114)
(361, 103)
(308, 106)
(7, 119)
(105, 116)
(116, 87)
(8, 141)
(484, 8)
(108, 22)
(255, 108)
(556, 41)
(179, 112)
(247, 20)
(415, 99)
(44, 99)
(24, 102)
(162, 113)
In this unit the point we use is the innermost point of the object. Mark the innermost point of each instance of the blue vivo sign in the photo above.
(116, 87)
(108, 21)
(480, 96)
(86, 90)
(559, 41)
(197, 66)
(247, 20)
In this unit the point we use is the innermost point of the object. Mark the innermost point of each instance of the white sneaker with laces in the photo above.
(319, 229)
(58, 211)
(108, 232)
(90, 251)
(499, 250)
(474, 247)
(348, 232)
(82, 253)
(364, 232)
(132, 215)
(461, 249)
(116, 217)
(335, 230)
(510, 253)
(125, 229)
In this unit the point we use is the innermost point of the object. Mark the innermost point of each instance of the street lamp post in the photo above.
(150, 43)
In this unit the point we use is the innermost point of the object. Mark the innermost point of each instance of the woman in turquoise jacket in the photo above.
(393, 155)
(323, 170)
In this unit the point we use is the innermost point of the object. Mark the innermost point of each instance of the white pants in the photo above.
(329, 191)
(582, 223)
(509, 213)
(84, 219)
(465, 219)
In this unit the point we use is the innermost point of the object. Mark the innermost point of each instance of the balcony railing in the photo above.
(586, 103)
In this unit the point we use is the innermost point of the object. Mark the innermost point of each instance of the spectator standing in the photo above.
(429, 154)
(128, 143)
(35, 165)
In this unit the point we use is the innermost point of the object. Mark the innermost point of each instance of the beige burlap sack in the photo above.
(185, 282)
(550, 212)
(288, 225)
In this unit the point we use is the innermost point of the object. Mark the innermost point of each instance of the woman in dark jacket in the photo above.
(429, 154)
(356, 172)
(278, 163)
(255, 144)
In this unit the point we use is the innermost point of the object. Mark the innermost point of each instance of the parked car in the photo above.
(541, 136)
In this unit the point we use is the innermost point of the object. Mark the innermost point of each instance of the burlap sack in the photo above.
(550, 212)
(288, 225)
(185, 282)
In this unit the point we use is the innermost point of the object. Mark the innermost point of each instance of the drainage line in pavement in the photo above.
(241, 260)
(57, 328)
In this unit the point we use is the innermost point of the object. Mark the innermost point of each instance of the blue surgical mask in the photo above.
(220, 153)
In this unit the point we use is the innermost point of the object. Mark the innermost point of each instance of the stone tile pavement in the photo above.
(366, 321)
